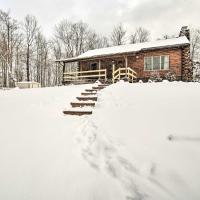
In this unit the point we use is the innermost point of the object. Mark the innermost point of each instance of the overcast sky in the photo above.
(159, 16)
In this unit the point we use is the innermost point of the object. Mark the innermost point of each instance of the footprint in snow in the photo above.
(102, 154)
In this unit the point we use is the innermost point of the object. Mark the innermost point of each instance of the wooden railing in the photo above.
(85, 75)
(124, 73)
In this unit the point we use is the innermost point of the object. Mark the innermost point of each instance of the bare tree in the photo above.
(72, 37)
(42, 69)
(195, 44)
(56, 55)
(80, 31)
(140, 35)
(18, 71)
(8, 40)
(30, 30)
(95, 41)
(4, 48)
(118, 35)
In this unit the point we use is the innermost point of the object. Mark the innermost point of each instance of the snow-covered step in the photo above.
(91, 90)
(82, 104)
(77, 112)
(87, 98)
(88, 93)
(103, 85)
(98, 87)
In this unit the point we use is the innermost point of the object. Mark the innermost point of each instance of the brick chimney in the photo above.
(187, 71)
(185, 32)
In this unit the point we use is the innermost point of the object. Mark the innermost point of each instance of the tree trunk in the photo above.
(27, 63)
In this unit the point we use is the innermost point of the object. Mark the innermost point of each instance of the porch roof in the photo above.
(128, 48)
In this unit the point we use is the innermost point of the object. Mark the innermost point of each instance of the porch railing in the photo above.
(124, 73)
(84, 75)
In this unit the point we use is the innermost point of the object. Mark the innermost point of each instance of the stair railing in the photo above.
(124, 73)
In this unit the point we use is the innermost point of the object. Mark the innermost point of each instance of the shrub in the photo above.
(170, 76)
(155, 77)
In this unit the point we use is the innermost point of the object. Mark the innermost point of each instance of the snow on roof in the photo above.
(131, 48)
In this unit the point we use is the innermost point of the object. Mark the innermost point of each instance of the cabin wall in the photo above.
(136, 62)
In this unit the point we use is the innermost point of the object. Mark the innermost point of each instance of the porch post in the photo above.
(70, 70)
(99, 68)
(126, 66)
(113, 71)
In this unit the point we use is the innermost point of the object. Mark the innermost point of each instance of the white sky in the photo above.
(159, 16)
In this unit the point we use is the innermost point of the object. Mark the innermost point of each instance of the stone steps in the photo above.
(88, 95)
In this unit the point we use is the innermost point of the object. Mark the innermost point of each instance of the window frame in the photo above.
(152, 57)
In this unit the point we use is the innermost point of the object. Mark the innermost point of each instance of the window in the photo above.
(93, 66)
(156, 63)
(165, 62)
(148, 63)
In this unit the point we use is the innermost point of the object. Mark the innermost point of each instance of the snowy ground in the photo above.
(120, 152)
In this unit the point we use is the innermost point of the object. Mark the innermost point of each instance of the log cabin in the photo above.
(132, 62)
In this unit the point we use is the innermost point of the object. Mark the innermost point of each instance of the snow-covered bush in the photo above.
(196, 72)
(155, 77)
(170, 76)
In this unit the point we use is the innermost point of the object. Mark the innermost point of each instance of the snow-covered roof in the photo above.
(130, 48)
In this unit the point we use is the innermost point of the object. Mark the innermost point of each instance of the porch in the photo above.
(107, 70)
